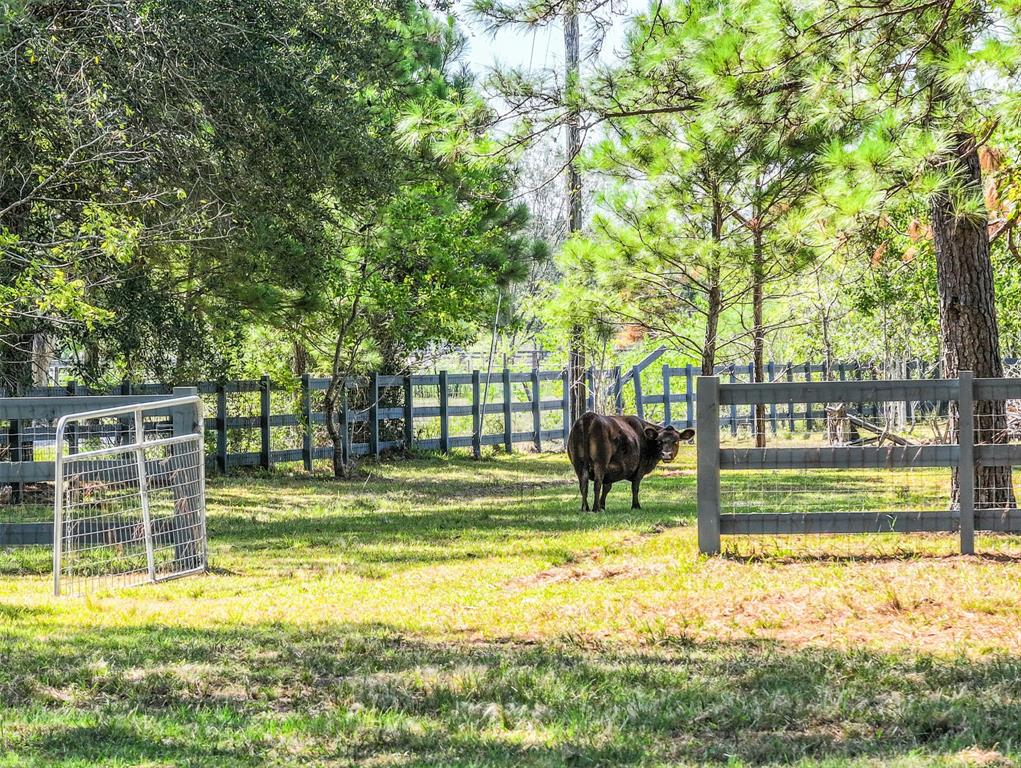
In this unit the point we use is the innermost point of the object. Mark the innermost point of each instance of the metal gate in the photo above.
(129, 496)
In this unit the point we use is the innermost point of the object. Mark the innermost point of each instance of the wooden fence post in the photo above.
(666, 396)
(809, 421)
(536, 411)
(16, 451)
(707, 441)
(752, 414)
(72, 427)
(124, 424)
(590, 400)
(966, 461)
(444, 414)
(374, 415)
(857, 376)
(508, 413)
(565, 404)
(636, 379)
(733, 408)
(618, 391)
(409, 412)
(264, 413)
(790, 404)
(689, 399)
(771, 375)
(221, 428)
(306, 416)
(345, 425)
(909, 405)
(477, 417)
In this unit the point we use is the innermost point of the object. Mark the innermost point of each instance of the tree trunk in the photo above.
(299, 359)
(714, 296)
(758, 333)
(576, 352)
(969, 335)
(334, 398)
(16, 362)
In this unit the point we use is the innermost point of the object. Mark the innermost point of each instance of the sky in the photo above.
(538, 49)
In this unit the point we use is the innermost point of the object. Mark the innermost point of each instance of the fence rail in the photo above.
(978, 448)
(262, 423)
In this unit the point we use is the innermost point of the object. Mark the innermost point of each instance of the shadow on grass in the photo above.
(289, 695)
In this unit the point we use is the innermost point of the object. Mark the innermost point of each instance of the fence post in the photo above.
(857, 376)
(666, 396)
(264, 408)
(565, 404)
(689, 400)
(733, 408)
(345, 425)
(124, 424)
(444, 414)
(752, 413)
(590, 400)
(909, 405)
(374, 414)
(306, 415)
(409, 413)
(790, 403)
(476, 414)
(536, 411)
(809, 421)
(17, 452)
(707, 441)
(771, 375)
(72, 431)
(636, 379)
(618, 391)
(221, 427)
(966, 461)
(508, 413)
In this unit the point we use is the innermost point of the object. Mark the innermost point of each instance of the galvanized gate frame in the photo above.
(177, 407)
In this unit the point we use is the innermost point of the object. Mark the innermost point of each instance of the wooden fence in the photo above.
(965, 456)
(261, 423)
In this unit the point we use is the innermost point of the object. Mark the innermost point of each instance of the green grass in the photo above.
(452, 612)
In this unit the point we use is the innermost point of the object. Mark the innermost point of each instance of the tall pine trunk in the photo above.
(714, 303)
(758, 331)
(969, 335)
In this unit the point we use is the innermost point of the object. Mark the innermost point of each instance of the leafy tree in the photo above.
(909, 78)
(183, 146)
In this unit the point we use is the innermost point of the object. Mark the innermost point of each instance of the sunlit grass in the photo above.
(447, 611)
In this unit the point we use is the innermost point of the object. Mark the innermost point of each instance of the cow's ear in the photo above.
(652, 433)
(687, 434)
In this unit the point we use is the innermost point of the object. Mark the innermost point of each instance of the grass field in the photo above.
(452, 612)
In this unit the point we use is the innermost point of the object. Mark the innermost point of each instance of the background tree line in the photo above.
(185, 184)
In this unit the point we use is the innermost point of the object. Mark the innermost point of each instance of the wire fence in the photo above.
(950, 469)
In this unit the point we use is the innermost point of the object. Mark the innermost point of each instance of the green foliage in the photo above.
(172, 171)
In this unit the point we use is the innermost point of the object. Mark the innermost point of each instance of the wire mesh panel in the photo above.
(129, 502)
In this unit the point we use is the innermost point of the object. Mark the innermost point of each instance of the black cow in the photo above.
(611, 449)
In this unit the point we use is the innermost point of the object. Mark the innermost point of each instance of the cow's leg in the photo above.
(583, 487)
(607, 485)
(598, 495)
(634, 493)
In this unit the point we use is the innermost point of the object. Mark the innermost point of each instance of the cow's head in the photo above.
(668, 440)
